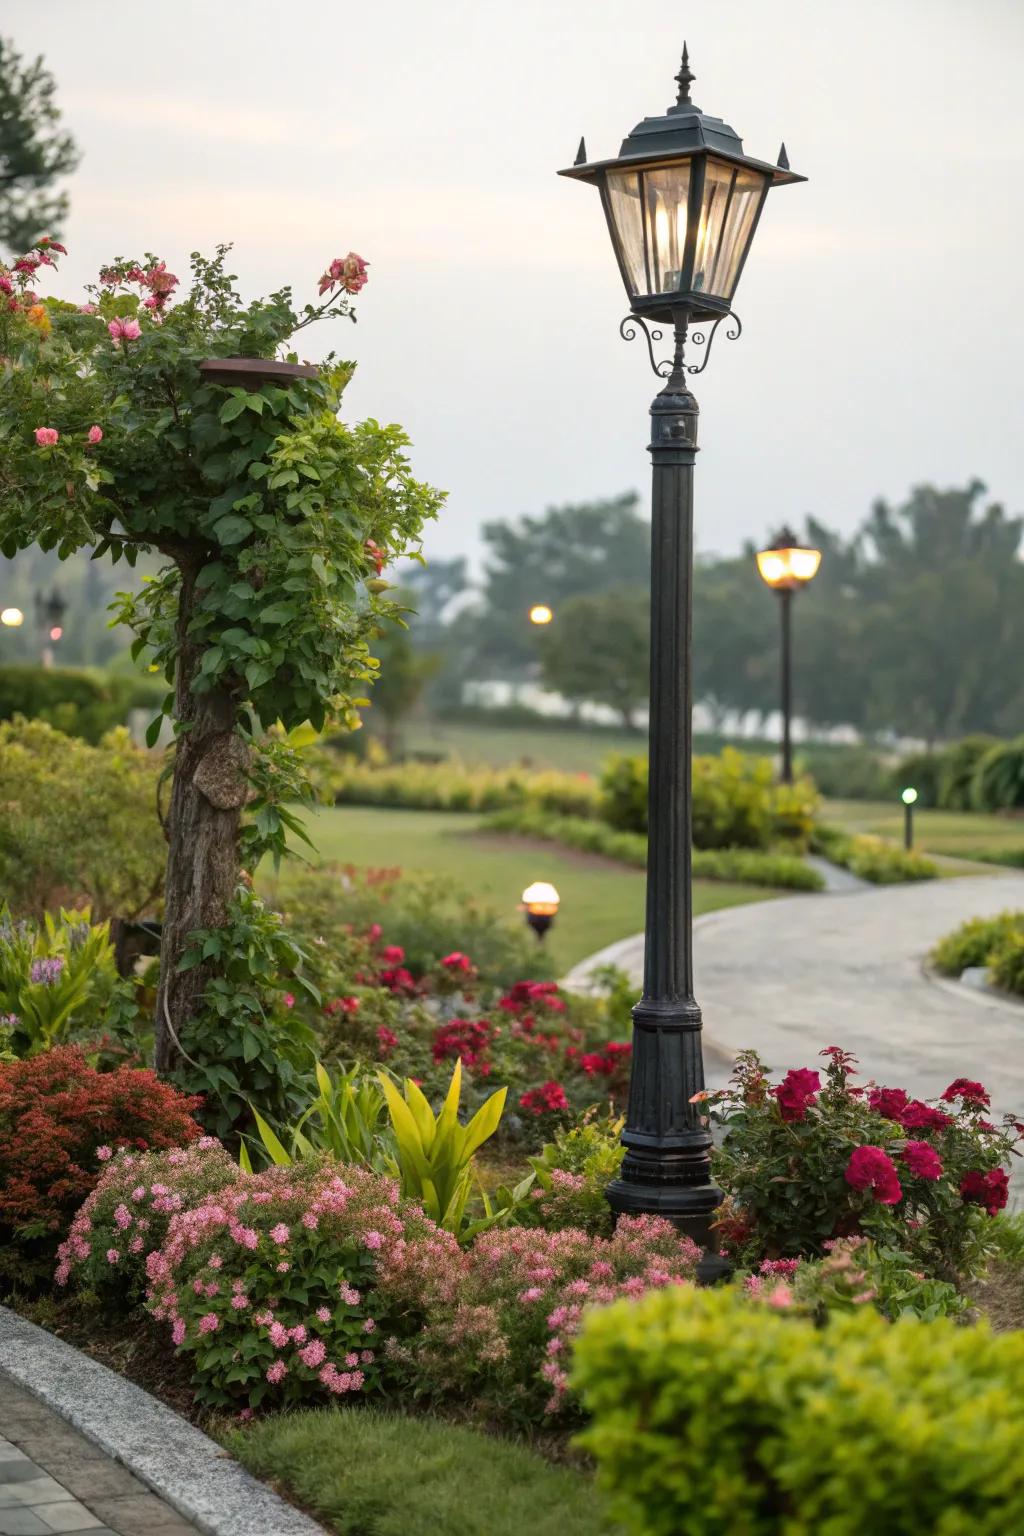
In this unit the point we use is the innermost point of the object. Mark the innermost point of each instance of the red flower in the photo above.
(467, 1039)
(457, 961)
(386, 1041)
(376, 554)
(397, 979)
(839, 1058)
(871, 1168)
(987, 1189)
(922, 1160)
(341, 1005)
(548, 1099)
(890, 1103)
(393, 954)
(922, 1117)
(798, 1088)
(972, 1094)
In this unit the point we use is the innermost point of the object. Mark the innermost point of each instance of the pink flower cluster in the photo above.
(349, 271)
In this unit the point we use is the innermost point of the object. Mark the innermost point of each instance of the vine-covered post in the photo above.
(151, 421)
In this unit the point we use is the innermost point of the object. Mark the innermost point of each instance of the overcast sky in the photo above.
(881, 302)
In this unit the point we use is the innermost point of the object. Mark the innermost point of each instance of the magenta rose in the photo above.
(922, 1160)
(870, 1168)
(798, 1088)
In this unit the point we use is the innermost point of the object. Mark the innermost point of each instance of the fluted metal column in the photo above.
(666, 1169)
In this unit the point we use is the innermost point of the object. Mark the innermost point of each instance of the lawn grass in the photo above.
(367, 1473)
(956, 834)
(479, 744)
(601, 901)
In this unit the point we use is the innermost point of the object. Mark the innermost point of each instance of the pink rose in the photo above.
(124, 330)
(46, 437)
(95, 435)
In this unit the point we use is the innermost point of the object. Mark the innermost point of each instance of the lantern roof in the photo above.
(683, 129)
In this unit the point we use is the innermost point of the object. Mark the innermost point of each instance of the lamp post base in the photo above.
(690, 1209)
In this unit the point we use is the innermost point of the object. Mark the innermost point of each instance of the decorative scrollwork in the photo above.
(700, 338)
(628, 330)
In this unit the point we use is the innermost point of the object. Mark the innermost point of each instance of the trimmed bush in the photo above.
(998, 783)
(871, 858)
(736, 801)
(78, 824)
(922, 770)
(711, 1417)
(747, 866)
(1006, 962)
(957, 770)
(846, 773)
(973, 943)
(450, 786)
(77, 702)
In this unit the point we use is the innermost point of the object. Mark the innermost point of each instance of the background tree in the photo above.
(405, 671)
(273, 520)
(597, 649)
(34, 152)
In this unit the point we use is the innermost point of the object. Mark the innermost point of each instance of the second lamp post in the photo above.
(786, 566)
(682, 203)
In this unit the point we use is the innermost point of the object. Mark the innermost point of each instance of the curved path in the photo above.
(789, 977)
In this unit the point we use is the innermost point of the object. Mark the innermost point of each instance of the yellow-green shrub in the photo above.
(714, 1417)
(450, 786)
(974, 941)
(736, 801)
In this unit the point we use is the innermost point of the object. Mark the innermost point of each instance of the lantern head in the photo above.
(682, 202)
(787, 564)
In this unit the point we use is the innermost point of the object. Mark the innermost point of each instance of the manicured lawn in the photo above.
(601, 901)
(962, 834)
(367, 1473)
(499, 746)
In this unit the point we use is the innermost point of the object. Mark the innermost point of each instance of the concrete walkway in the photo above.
(789, 977)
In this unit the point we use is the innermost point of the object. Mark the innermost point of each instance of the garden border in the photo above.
(187, 1469)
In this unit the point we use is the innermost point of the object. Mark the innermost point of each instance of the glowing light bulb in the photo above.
(12, 617)
(540, 613)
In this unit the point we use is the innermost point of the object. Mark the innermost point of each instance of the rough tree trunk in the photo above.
(208, 793)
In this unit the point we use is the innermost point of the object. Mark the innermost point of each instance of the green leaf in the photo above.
(232, 529)
(153, 731)
(235, 406)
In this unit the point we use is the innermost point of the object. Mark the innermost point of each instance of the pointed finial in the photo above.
(783, 161)
(581, 153)
(685, 76)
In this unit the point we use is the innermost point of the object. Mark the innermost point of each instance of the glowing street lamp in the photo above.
(682, 202)
(909, 798)
(13, 618)
(540, 613)
(540, 903)
(786, 566)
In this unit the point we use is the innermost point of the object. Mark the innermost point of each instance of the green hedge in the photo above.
(78, 702)
(978, 773)
(713, 1417)
(748, 866)
(872, 859)
(736, 801)
(996, 942)
(449, 786)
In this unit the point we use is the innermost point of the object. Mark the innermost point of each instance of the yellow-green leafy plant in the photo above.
(346, 1119)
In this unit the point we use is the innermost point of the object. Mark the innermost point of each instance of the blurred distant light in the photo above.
(540, 613)
(12, 617)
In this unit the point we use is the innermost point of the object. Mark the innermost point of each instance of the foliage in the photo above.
(998, 783)
(572, 1175)
(711, 1417)
(246, 1044)
(449, 786)
(921, 771)
(973, 943)
(78, 824)
(805, 1162)
(597, 649)
(345, 1119)
(736, 801)
(126, 1216)
(426, 917)
(846, 773)
(745, 865)
(340, 1463)
(498, 1330)
(871, 858)
(404, 673)
(435, 1154)
(855, 1273)
(1006, 962)
(958, 766)
(58, 981)
(79, 703)
(274, 1288)
(59, 1120)
(34, 151)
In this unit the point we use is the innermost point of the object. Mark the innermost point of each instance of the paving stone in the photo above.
(99, 1479)
(22, 1522)
(22, 1471)
(41, 1489)
(69, 1516)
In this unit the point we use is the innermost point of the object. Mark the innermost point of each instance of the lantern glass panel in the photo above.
(625, 215)
(666, 196)
(732, 197)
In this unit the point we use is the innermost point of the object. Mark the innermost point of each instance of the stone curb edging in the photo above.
(985, 996)
(178, 1462)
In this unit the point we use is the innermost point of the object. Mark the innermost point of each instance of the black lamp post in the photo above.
(682, 203)
(786, 566)
(908, 796)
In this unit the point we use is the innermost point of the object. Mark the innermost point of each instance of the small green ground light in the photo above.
(908, 796)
